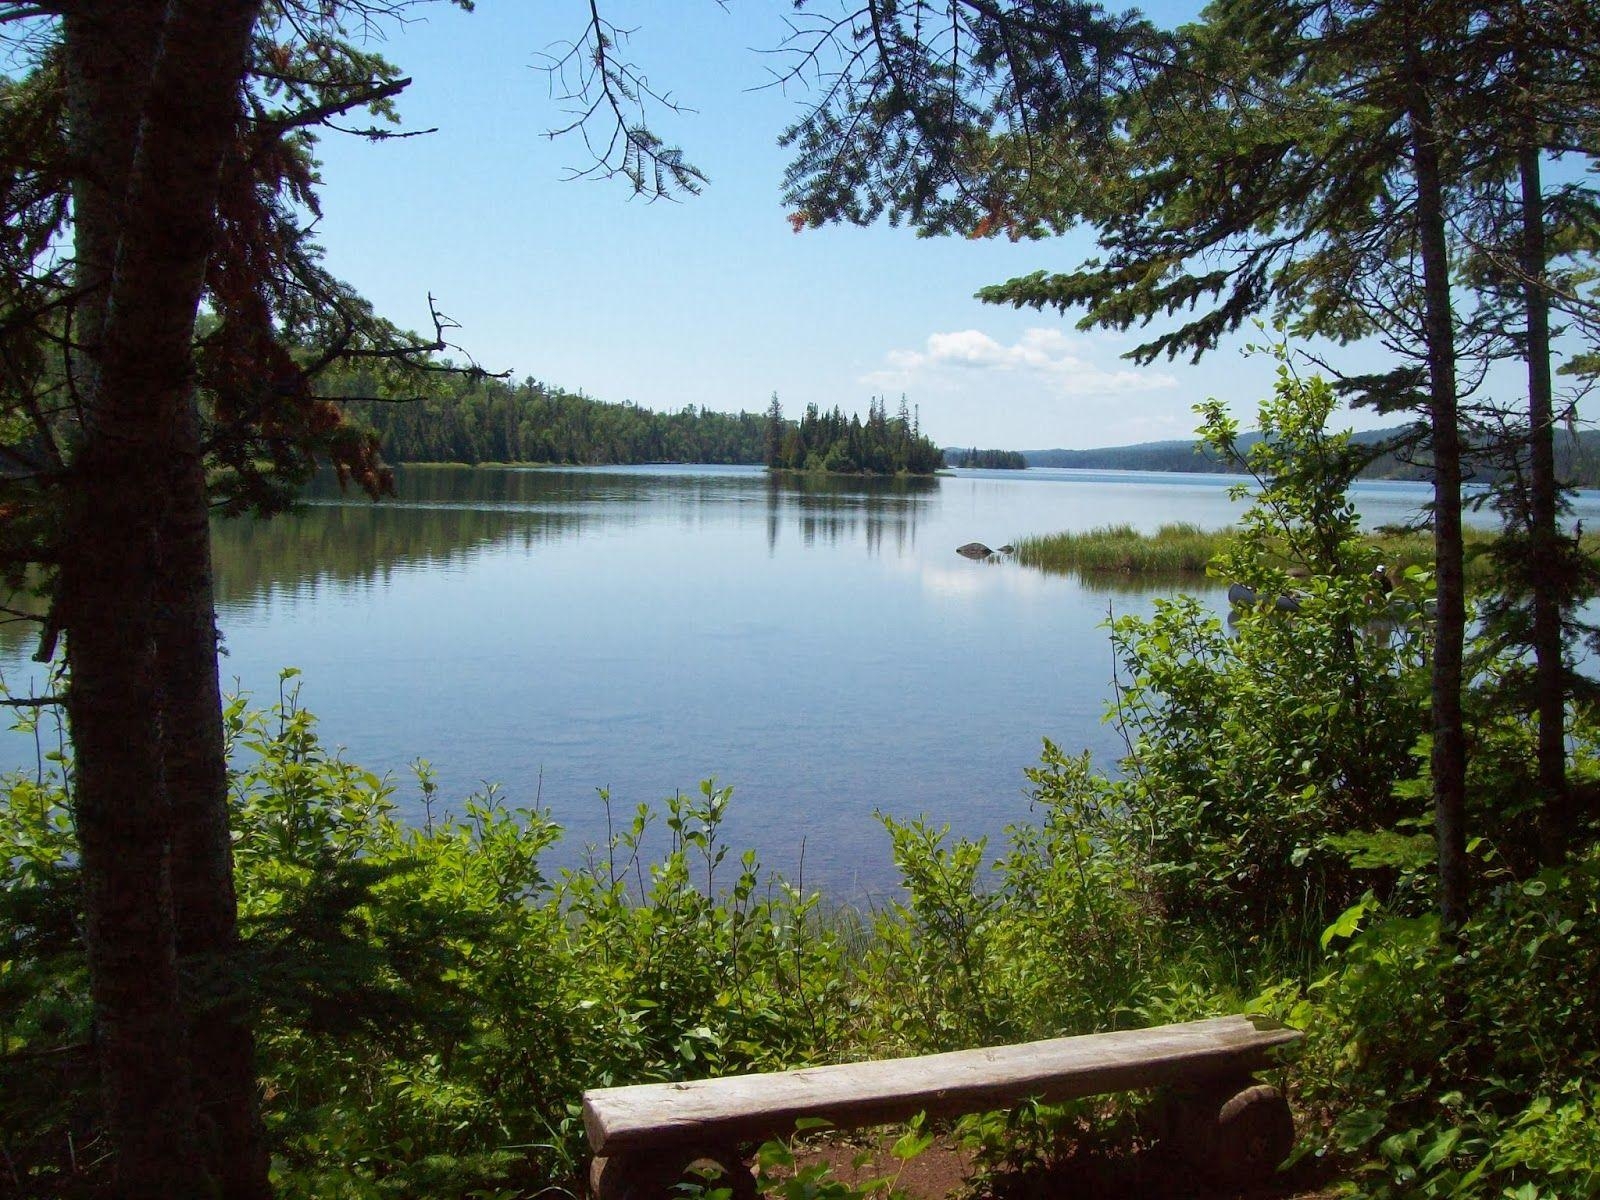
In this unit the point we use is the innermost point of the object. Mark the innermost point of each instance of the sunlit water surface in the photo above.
(818, 645)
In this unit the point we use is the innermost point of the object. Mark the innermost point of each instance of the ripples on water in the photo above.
(816, 643)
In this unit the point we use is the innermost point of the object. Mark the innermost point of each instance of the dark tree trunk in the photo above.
(110, 50)
(1449, 761)
(107, 605)
(155, 231)
(204, 906)
(1545, 572)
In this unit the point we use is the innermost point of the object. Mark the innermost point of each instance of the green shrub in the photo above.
(1058, 938)
(1251, 748)
(1464, 1069)
(48, 1104)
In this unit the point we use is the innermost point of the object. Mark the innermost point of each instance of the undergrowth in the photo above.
(431, 1002)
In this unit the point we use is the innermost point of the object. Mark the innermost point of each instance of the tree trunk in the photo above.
(1545, 572)
(110, 50)
(154, 231)
(1449, 761)
(222, 1049)
(107, 604)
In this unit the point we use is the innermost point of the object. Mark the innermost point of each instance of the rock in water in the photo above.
(974, 550)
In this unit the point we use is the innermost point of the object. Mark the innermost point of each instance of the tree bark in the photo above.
(1449, 758)
(222, 1050)
(121, 811)
(105, 604)
(1546, 575)
(139, 420)
(110, 51)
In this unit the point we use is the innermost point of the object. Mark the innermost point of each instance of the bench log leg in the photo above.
(1234, 1131)
(653, 1175)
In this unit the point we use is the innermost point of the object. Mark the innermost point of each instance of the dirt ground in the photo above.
(945, 1171)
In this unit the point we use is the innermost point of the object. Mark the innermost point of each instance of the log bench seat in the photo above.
(1231, 1127)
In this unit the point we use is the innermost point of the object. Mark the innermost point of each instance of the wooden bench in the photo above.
(1227, 1124)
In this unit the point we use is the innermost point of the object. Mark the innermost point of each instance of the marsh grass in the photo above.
(1179, 552)
(1174, 549)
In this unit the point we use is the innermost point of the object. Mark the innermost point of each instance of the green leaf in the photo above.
(1358, 1127)
(1440, 1150)
(1384, 849)
(1349, 921)
(911, 1144)
(774, 1154)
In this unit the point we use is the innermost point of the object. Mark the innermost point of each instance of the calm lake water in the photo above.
(817, 644)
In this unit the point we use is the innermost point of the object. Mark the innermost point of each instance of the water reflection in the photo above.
(1125, 583)
(445, 515)
(829, 508)
(361, 544)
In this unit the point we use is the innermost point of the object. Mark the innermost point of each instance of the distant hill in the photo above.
(1190, 456)
(1144, 456)
(1577, 457)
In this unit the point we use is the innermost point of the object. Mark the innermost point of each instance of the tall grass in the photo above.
(1175, 549)
(1181, 549)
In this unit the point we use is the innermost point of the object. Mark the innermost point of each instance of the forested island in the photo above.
(837, 444)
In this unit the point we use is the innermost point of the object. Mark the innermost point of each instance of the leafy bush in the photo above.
(1469, 1068)
(430, 1002)
(1250, 749)
(48, 1108)
(1057, 941)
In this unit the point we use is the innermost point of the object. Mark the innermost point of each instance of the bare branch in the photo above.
(320, 113)
(32, 702)
(609, 91)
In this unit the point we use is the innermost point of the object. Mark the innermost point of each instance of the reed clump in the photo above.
(1179, 548)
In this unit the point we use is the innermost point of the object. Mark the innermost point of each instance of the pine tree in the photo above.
(775, 431)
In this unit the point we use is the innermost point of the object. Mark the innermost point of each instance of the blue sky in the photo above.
(713, 301)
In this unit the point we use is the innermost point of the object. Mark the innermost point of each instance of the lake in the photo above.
(816, 643)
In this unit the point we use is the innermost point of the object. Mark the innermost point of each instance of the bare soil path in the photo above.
(947, 1171)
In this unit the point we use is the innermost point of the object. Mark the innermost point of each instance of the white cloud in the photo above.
(1050, 360)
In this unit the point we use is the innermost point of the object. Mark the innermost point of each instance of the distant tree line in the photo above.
(993, 460)
(461, 419)
(831, 441)
(469, 418)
